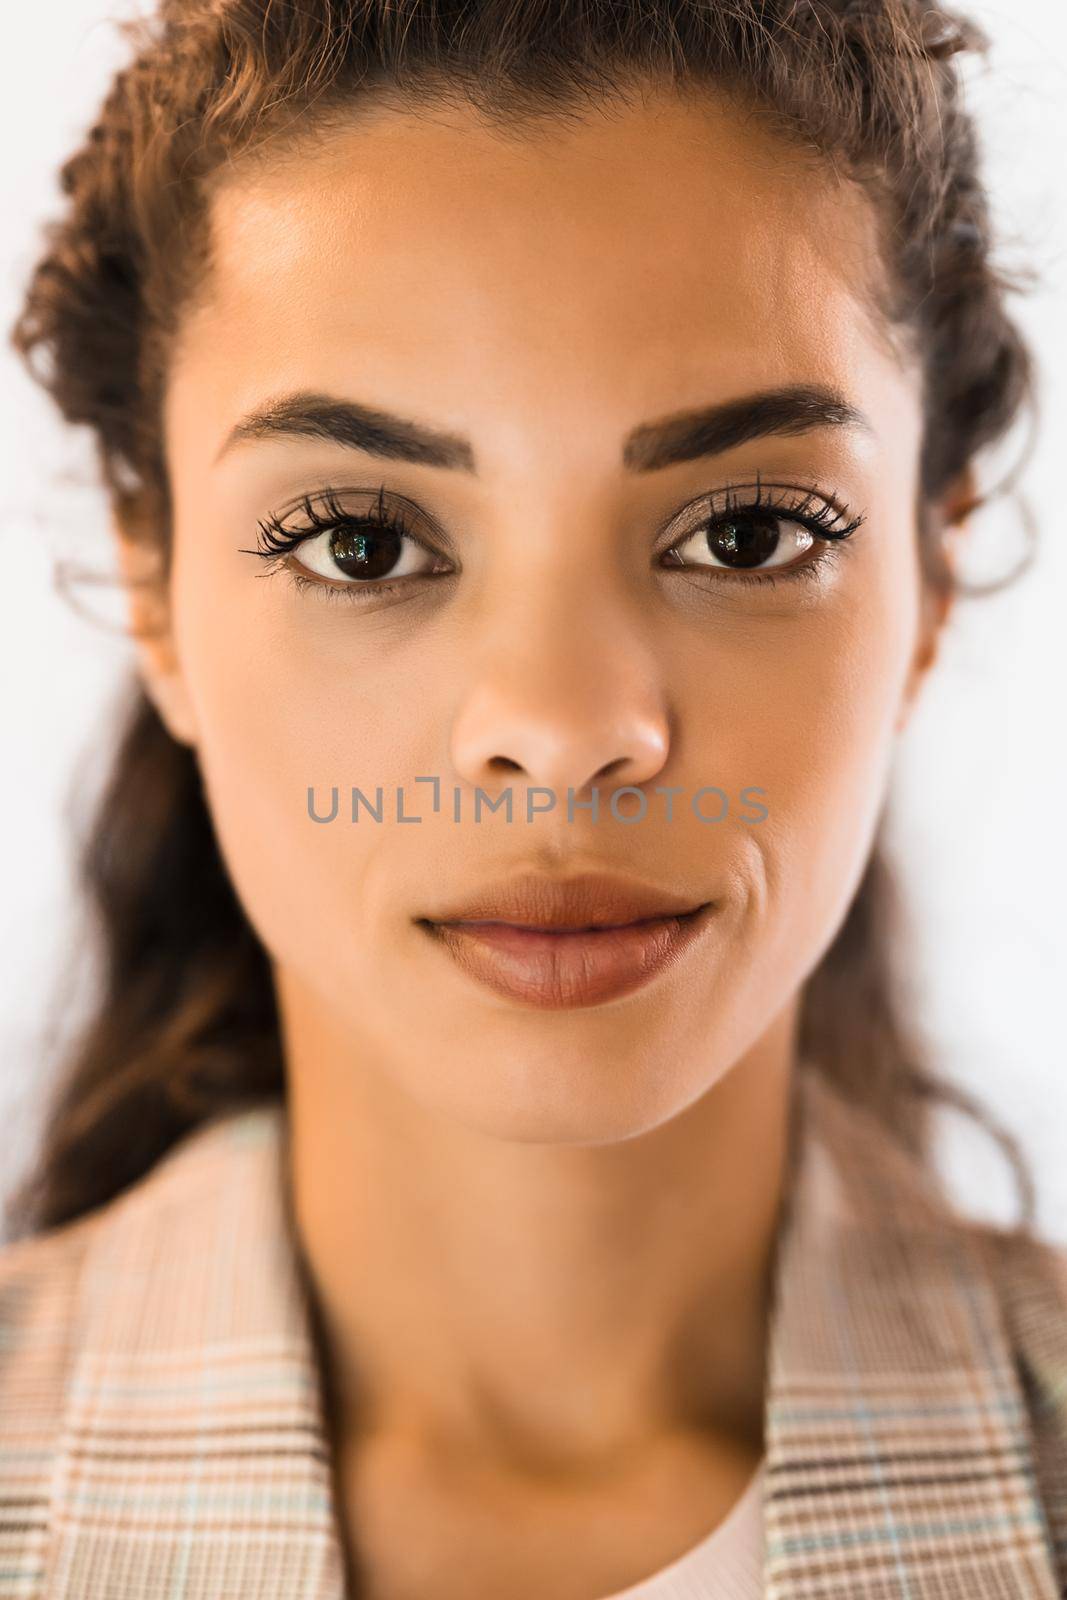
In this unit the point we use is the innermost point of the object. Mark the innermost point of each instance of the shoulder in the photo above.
(53, 1284)
(1029, 1274)
(40, 1280)
(1024, 1263)
(99, 1318)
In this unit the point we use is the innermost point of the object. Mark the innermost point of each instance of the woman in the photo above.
(499, 1164)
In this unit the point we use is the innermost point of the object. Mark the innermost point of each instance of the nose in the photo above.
(564, 704)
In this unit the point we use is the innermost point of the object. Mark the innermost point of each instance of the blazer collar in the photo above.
(192, 1459)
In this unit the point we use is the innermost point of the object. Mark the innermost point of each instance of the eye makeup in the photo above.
(738, 528)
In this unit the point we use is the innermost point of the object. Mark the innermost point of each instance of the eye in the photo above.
(364, 550)
(759, 534)
(745, 539)
(350, 550)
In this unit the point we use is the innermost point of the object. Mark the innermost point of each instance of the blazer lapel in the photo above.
(898, 1461)
(193, 1459)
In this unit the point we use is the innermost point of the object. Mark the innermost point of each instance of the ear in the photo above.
(148, 609)
(949, 524)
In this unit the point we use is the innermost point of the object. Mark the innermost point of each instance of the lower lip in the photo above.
(558, 971)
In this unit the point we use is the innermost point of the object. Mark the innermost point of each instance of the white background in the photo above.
(980, 818)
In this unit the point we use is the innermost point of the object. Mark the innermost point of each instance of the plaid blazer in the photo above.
(161, 1428)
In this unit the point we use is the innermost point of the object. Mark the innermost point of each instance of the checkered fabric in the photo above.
(161, 1422)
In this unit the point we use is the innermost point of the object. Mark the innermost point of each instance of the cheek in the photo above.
(804, 707)
(292, 693)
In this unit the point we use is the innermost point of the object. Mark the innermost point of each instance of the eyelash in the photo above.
(277, 542)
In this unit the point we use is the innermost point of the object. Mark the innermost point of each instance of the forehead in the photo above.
(628, 257)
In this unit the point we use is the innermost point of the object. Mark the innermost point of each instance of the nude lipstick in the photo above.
(567, 943)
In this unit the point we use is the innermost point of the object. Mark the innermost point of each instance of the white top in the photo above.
(726, 1565)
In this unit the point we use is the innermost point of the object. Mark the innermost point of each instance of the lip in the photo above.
(559, 944)
(584, 900)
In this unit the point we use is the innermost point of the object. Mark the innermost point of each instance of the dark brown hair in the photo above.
(185, 1024)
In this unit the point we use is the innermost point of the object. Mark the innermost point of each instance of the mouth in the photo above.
(557, 965)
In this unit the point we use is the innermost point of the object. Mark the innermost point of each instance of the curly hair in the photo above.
(185, 1023)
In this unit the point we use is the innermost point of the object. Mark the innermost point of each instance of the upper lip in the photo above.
(588, 900)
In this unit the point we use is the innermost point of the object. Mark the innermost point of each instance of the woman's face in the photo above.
(556, 306)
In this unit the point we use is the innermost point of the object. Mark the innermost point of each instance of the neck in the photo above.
(541, 1300)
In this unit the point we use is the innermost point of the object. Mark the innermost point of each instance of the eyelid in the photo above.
(333, 502)
(735, 497)
(704, 503)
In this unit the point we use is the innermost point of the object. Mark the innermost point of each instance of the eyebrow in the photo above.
(685, 436)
